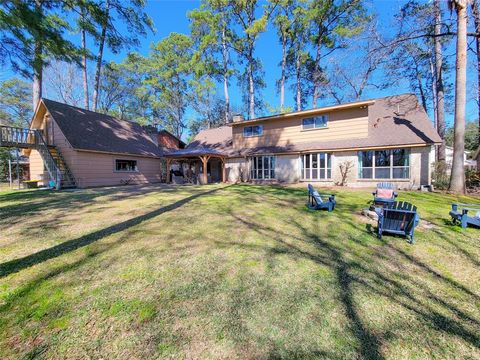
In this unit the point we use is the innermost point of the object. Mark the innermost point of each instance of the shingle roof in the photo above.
(88, 130)
(217, 141)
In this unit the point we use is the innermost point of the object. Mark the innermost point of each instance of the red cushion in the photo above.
(385, 193)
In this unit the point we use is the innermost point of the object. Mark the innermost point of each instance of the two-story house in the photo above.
(357, 144)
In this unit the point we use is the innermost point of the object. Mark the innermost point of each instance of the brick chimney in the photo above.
(237, 118)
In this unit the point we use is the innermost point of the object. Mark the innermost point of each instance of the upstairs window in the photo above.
(126, 165)
(255, 130)
(316, 122)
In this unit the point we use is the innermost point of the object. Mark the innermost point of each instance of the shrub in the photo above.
(472, 178)
(440, 177)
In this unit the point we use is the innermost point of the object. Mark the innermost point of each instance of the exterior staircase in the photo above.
(55, 164)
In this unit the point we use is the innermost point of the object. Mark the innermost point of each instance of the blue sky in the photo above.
(171, 16)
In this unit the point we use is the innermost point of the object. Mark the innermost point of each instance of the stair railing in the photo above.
(50, 163)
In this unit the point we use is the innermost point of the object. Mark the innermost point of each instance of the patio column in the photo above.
(205, 159)
(169, 163)
(224, 175)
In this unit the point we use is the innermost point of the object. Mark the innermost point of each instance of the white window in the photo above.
(316, 122)
(384, 164)
(126, 165)
(255, 130)
(262, 167)
(316, 166)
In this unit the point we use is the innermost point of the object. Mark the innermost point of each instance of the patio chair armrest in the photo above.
(417, 219)
(328, 196)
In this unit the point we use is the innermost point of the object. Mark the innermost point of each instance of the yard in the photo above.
(232, 271)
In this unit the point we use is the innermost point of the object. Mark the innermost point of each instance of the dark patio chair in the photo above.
(399, 218)
(464, 217)
(384, 194)
(318, 201)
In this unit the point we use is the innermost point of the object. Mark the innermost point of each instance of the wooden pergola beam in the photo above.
(169, 163)
(224, 173)
(204, 159)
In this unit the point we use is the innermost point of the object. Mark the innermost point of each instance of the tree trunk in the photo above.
(251, 89)
(98, 67)
(84, 65)
(298, 80)
(439, 92)
(37, 74)
(476, 20)
(37, 63)
(457, 178)
(282, 78)
(225, 75)
(434, 95)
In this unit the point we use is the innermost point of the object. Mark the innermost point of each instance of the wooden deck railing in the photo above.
(18, 137)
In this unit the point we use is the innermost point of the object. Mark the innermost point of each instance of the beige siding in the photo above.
(235, 168)
(90, 168)
(64, 147)
(54, 136)
(97, 169)
(287, 168)
(342, 124)
(36, 168)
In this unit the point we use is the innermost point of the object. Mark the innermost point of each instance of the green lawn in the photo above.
(231, 272)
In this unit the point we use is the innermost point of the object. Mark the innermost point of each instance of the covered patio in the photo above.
(197, 165)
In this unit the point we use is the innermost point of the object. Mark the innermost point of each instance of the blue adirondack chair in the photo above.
(318, 201)
(463, 216)
(378, 199)
(399, 218)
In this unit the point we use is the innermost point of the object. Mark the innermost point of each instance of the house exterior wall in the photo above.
(98, 169)
(91, 168)
(288, 170)
(342, 124)
(54, 136)
(36, 168)
(166, 140)
(236, 170)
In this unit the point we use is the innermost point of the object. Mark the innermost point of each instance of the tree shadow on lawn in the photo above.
(397, 285)
(29, 203)
(16, 265)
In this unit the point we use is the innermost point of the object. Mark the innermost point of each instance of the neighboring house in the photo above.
(92, 149)
(476, 156)
(468, 163)
(359, 143)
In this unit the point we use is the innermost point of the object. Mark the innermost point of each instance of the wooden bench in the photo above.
(399, 218)
(463, 216)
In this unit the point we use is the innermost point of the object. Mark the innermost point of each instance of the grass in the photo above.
(231, 272)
